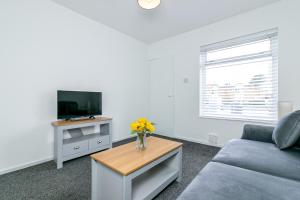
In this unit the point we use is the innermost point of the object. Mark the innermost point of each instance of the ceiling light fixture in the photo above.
(149, 4)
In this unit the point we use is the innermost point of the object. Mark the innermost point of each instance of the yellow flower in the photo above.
(142, 120)
(134, 126)
(142, 125)
(150, 127)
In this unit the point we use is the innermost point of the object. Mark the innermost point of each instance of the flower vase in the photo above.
(141, 141)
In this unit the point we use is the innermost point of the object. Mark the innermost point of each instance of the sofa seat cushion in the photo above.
(219, 181)
(261, 157)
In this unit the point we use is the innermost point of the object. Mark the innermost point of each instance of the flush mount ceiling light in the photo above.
(148, 4)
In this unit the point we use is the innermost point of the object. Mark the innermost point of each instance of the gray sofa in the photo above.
(250, 168)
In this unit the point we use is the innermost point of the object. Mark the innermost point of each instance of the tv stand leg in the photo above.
(58, 147)
(92, 117)
(59, 165)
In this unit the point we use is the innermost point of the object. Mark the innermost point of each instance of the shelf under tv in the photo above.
(80, 145)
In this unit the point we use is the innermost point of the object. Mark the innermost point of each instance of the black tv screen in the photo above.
(75, 104)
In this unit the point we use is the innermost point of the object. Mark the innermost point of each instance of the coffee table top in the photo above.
(126, 159)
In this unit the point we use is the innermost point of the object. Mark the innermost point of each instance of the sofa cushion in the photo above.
(223, 182)
(261, 157)
(258, 133)
(287, 131)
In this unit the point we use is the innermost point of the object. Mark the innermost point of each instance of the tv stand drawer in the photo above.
(76, 147)
(97, 142)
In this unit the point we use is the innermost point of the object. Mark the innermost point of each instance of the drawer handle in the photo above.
(99, 142)
(77, 147)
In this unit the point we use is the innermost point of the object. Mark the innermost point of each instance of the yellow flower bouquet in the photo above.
(142, 127)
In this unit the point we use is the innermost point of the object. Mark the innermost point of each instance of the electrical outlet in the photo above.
(185, 80)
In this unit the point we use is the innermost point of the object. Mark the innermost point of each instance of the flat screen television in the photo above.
(77, 104)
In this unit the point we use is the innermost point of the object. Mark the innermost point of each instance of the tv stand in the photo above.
(85, 136)
(92, 117)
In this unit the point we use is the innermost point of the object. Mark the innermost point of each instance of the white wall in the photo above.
(185, 49)
(45, 47)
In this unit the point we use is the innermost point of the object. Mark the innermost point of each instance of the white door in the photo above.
(162, 95)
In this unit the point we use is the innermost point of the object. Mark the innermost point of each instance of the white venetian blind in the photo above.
(239, 78)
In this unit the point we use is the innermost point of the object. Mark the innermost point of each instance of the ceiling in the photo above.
(172, 17)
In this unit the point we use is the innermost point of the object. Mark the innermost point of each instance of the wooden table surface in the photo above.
(79, 121)
(126, 159)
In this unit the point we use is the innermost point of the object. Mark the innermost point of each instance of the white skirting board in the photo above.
(198, 141)
(30, 164)
(37, 162)
(177, 137)
(124, 138)
(25, 165)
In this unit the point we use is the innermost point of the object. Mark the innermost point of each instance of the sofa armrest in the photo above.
(258, 133)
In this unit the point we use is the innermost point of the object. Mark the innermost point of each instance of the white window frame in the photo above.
(269, 34)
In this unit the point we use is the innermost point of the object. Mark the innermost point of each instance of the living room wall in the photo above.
(185, 50)
(45, 47)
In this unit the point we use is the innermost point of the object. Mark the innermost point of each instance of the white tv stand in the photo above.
(86, 136)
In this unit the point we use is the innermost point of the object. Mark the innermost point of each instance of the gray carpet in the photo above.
(72, 182)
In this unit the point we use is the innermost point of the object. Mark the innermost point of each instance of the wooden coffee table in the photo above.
(124, 173)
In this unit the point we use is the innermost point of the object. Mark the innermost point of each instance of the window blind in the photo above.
(239, 78)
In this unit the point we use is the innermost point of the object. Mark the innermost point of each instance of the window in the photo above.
(238, 78)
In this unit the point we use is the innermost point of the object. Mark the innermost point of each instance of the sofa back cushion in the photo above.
(287, 131)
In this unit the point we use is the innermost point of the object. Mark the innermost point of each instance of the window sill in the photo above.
(267, 122)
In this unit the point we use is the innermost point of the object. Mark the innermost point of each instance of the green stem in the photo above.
(141, 139)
